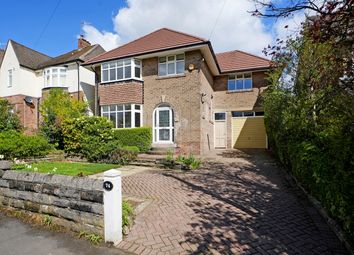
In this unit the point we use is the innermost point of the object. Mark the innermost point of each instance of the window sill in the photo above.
(238, 91)
(170, 76)
(120, 81)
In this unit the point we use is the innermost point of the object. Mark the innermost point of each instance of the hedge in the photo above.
(16, 145)
(139, 137)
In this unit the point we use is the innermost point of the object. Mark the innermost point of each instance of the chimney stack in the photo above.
(82, 42)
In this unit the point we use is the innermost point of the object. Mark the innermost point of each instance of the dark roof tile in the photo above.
(27, 57)
(161, 39)
(82, 54)
(2, 54)
(237, 60)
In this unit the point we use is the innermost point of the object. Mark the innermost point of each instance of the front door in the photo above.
(163, 125)
(220, 130)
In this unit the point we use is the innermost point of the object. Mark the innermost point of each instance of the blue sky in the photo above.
(23, 21)
(114, 22)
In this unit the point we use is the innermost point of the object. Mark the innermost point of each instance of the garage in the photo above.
(248, 130)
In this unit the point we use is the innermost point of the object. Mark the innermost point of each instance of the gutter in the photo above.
(78, 81)
(96, 92)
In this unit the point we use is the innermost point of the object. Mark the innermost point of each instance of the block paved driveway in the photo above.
(240, 205)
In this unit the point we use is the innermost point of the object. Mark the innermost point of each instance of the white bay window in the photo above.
(123, 115)
(55, 77)
(123, 69)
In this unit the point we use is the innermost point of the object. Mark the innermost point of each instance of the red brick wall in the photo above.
(121, 93)
(28, 115)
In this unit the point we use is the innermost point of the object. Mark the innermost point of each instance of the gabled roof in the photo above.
(82, 55)
(27, 57)
(237, 60)
(158, 40)
(2, 54)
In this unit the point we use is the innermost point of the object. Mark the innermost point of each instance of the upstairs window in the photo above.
(171, 65)
(240, 82)
(9, 78)
(55, 77)
(123, 69)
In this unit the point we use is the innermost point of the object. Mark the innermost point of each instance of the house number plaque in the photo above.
(107, 185)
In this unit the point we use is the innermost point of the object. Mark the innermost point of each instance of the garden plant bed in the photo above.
(65, 168)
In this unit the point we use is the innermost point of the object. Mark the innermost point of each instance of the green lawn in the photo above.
(65, 168)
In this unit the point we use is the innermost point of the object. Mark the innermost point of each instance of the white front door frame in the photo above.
(157, 128)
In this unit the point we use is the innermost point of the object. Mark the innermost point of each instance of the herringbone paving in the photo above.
(241, 205)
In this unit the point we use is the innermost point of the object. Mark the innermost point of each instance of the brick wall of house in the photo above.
(121, 93)
(242, 101)
(238, 101)
(182, 94)
(206, 109)
(28, 115)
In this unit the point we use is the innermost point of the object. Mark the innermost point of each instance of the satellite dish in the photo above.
(28, 100)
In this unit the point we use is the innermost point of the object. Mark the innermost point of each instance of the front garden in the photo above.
(66, 127)
(64, 168)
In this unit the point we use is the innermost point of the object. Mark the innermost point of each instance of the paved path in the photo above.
(17, 238)
(241, 205)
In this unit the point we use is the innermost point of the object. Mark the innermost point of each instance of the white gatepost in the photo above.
(112, 199)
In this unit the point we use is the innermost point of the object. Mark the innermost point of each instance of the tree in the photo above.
(8, 118)
(309, 105)
(331, 22)
(56, 108)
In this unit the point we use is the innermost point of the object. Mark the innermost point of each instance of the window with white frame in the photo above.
(171, 65)
(123, 69)
(55, 77)
(123, 115)
(239, 82)
(10, 78)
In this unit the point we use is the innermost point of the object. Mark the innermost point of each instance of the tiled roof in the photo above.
(82, 54)
(2, 53)
(161, 39)
(238, 61)
(27, 57)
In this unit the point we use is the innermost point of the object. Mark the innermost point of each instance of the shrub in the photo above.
(86, 132)
(110, 153)
(127, 215)
(55, 109)
(188, 162)
(8, 119)
(131, 148)
(92, 138)
(17, 145)
(139, 137)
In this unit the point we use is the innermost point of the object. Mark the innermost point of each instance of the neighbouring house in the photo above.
(27, 75)
(194, 100)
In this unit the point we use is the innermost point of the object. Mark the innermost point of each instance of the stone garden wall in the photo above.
(73, 202)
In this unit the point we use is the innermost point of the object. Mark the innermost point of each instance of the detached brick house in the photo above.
(194, 100)
(26, 76)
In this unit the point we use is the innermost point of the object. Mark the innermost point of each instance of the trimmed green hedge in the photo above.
(16, 145)
(139, 137)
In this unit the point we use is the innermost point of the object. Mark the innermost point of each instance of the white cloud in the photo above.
(107, 40)
(290, 26)
(235, 29)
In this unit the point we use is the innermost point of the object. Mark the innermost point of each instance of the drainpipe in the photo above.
(38, 104)
(78, 81)
(96, 92)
